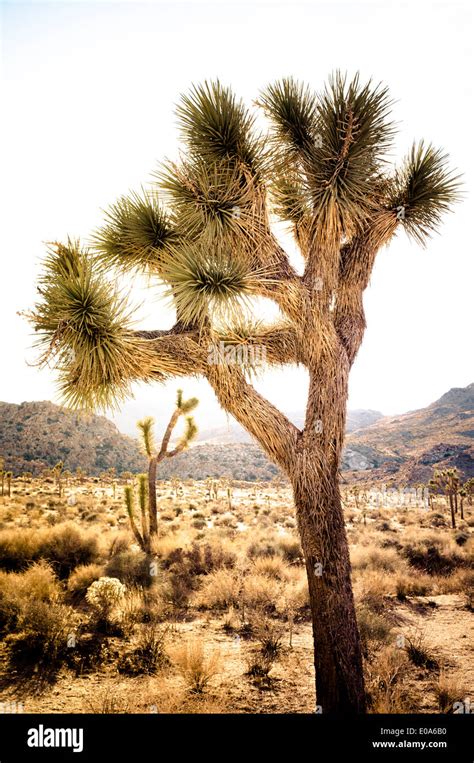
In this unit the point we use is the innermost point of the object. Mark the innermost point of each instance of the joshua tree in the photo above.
(447, 481)
(211, 239)
(469, 488)
(155, 454)
(57, 474)
(8, 477)
(2, 474)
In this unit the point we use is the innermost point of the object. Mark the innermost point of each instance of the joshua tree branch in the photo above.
(271, 428)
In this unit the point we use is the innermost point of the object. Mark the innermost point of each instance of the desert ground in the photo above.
(216, 619)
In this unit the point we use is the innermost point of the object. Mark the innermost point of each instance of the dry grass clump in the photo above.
(261, 591)
(419, 653)
(272, 567)
(407, 585)
(196, 667)
(64, 546)
(147, 655)
(386, 675)
(220, 589)
(375, 558)
(80, 580)
(18, 590)
(451, 694)
(374, 629)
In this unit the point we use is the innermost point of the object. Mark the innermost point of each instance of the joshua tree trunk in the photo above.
(311, 460)
(453, 514)
(337, 652)
(152, 508)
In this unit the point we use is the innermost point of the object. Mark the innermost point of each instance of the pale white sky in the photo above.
(88, 92)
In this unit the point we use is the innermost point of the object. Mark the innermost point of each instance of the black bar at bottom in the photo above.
(100, 737)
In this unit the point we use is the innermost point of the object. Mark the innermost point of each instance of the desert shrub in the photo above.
(130, 567)
(91, 652)
(199, 559)
(80, 580)
(42, 635)
(460, 581)
(18, 549)
(374, 629)
(461, 538)
(449, 690)
(262, 547)
(66, 547)
(104, 596)
(290, 549)
(148, 655)
(197, 668)
(260, 591)
(385, 681)
(18, 589)
(272, 566)
(429, 558)
(220, 590)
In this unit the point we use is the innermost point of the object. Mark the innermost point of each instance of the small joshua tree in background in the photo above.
(155, 454)
(447, 481)
(57, 474)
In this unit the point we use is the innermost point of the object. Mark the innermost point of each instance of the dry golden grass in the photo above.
(224, 581)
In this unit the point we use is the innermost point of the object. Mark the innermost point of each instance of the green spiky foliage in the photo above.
(84, 327)
(136, 232)
(207, 232)
(423, 191)
(185, 406)
(146, 427)
(331, 151)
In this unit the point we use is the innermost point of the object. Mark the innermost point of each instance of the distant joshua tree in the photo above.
(446, 481)
(2, 474)
(157, 454)
(210, 239)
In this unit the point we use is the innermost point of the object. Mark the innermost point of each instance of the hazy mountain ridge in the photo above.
(411, 444)
(36, 435)
(234, 433)
(407, 447)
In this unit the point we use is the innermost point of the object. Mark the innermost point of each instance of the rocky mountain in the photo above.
(405, 447)
(36, 435)
(410, 445)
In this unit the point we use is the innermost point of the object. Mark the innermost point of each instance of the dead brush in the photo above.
(196, 667)
(419, 654)
(450, 690)
(385, 676)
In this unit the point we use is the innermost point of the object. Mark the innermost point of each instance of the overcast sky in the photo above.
(88, 94)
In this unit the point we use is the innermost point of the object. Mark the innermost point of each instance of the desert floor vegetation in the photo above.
(216, 619)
